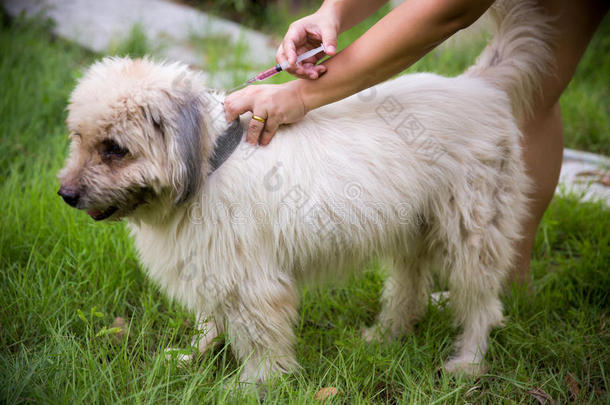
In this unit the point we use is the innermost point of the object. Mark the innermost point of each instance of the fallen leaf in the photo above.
(324, 393)
(541, 396)
(588, 173)
(605, 180)
(120, 325)
(573, 386)
(599, 176)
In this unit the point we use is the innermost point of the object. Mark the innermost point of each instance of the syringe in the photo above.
(284, 65)
(279, 67)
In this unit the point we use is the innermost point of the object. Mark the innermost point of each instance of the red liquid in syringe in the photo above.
(284, 65)
(266, 73)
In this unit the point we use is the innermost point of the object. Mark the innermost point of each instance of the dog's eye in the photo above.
(112, 150)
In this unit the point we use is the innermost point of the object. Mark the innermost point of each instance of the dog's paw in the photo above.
(207, 337)
(181, 356)
(374, 334)
(439, 298)
(464, 367)
(238, 390)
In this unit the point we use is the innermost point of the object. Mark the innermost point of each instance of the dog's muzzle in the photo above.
(69, 195)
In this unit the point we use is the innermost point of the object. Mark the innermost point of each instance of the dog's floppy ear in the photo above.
(180, 119)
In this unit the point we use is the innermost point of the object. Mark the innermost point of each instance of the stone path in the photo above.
(585, 174)
(96, 25)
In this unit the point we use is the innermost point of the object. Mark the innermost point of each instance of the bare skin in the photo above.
(543, 142)
(407, 33)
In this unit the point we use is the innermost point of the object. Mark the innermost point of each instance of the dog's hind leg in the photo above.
(404, 299)
(479, 311)
(475, 287)
(481, 229)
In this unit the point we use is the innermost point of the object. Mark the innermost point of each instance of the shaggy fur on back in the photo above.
(423, 171)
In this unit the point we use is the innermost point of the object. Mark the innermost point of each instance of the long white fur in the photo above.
(445, 193)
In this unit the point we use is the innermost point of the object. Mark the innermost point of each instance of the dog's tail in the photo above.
(520, 53)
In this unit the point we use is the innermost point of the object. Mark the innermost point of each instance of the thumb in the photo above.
(329, 40)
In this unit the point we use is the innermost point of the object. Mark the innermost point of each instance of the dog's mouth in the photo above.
(121, 208)
(101, 215)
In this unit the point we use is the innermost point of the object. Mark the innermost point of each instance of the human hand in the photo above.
(305, 34)
(274, 104)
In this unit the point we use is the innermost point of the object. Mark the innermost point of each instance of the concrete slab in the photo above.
(585, 174)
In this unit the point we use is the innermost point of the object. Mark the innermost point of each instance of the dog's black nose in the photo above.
(69, 195)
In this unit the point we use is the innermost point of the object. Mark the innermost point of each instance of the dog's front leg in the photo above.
(207, 332)
(203, 340)
(260, 328)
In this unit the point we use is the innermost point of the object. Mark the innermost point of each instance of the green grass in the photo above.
(273, 18)
(136, 45)
(586, 102)
(65, 279)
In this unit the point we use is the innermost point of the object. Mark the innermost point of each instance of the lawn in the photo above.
(65, 279)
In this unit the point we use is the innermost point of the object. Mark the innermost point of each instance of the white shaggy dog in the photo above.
(424, 171)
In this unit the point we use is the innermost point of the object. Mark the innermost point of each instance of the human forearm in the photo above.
(349, 12)
(393, 44)
(398, 40)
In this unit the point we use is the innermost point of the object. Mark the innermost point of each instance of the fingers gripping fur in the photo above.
(520, 53)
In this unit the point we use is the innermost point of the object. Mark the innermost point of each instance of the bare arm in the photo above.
(350, 12)
(390, 46)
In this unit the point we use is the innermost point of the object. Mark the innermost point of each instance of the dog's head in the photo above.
(137, 137)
